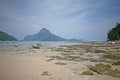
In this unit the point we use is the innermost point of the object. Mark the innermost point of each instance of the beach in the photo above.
(58, 61)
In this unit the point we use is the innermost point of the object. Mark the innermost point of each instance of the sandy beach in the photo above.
(62, 62)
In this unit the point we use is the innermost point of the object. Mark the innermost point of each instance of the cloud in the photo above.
(67, 18)
(34, 22)
(36, 25)
(59, 7)
(33, 17)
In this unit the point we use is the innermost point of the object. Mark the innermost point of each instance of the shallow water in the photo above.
(18, 45)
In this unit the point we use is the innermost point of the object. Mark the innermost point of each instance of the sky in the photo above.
(89, 20)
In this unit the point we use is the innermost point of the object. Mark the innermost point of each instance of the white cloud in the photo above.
(36, 25)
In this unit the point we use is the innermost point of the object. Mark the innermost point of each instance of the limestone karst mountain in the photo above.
(5, 37)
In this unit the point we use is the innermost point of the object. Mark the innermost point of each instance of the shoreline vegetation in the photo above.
(73, 60)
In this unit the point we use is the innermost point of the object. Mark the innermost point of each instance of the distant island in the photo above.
(45, 35)
(5, 37)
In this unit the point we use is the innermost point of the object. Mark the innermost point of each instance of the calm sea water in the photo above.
(10, 45)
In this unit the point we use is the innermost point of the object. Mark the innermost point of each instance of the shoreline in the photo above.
(20, 61)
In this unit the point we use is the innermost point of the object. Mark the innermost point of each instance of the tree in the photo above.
(114, 33)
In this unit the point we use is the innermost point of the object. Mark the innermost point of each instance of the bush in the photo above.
(72, 58)
(59, 63)
(116, 63)
(112, 56)
(87, 72)
(114, 73)
(68, 58)
(105, 69)
(114, 33)
(46, 73)
(101, 68)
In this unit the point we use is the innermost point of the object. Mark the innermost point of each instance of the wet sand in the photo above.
(28, 63)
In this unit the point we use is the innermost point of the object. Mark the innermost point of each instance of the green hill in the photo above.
(6, 37)
(43, 35)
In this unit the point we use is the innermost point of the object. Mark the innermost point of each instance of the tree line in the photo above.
(114, 33)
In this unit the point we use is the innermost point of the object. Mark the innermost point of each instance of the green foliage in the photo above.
(46, 73)
(68, 58)
(59, 63)
(67, 50)
(114, 33)
(87, 72)
(100, 68)
(105, 69)
(6, 37)
(112, 56)
(72, 58)
(114, 73)
(116, 63)
(59, 49)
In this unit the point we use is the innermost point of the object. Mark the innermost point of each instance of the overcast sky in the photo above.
(80, 19)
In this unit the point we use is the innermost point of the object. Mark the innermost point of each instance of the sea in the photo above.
(10, 45)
